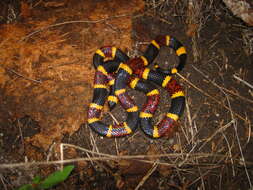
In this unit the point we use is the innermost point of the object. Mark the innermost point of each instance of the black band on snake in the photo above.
(101, 83)
(124, 77)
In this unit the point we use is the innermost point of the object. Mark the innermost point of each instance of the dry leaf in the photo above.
(177, 147)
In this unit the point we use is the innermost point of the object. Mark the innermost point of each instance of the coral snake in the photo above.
(115, 70)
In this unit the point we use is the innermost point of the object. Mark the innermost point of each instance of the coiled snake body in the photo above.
(121, 71)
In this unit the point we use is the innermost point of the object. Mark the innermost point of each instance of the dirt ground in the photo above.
(46, 78)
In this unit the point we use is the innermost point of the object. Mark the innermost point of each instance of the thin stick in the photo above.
(1, 177)
(201, 177)
(190, 121)
(20, 75)
(61, 150)
(230, 154)
(221, 88)
(21, 135)
(238, 140)
(243, 81)
(116, 146)
(209, 96)
(94, 147)
(73, 22)
(219, 130)
(237, 95)
(240, 148)
(144, 179)
(187, 156)
(180, 144)
(50, 151)
(184, 133)
(114, 118)
(249, 133)
(107, 157)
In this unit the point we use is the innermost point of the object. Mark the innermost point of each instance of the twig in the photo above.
(146, 176)
(239, 145)
(136, 157)
(187, 156)
(94, 146)
(20, 75)
(21, 136)
(243, 81)
(2, 180)
(103, 156)
(220, 87)
(209, 96)
(36, 4)
(219, 130)
(73, 22)
(116, 146)
(50, 151)
(201, 177)
(190, 122)
(180, 144)
(184, 133)
(230, 153)
(249, 133)
(62, 156)
(114, 118)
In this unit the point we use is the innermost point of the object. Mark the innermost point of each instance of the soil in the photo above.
(46, 105)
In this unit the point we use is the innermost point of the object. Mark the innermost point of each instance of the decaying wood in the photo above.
(242, 9)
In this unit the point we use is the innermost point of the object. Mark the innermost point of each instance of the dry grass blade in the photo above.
(220, 87)
(212, 98)
(103, 156)
(219, 130)
(230, 153)
(249, 133)
(239, 144)
(94, 147)
(2, 180)
(50, 151)
(187, 156)
(200, 177)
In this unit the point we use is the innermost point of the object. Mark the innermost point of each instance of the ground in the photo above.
(46, 79)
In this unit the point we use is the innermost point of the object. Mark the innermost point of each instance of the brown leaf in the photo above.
(177, 147)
